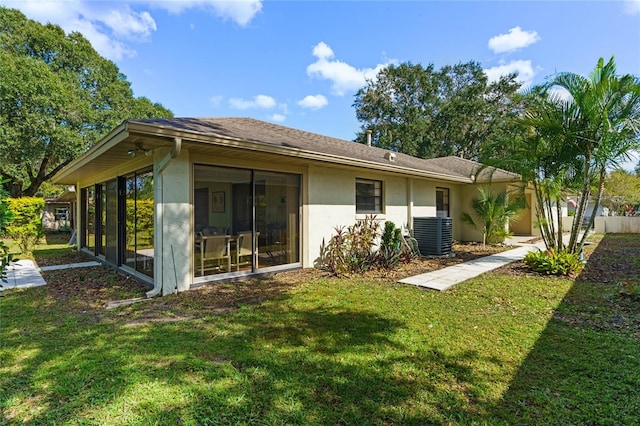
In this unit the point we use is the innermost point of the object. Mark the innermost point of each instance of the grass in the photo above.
(509, 347)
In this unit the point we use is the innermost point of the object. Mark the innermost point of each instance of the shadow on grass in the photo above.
(229, 375)
(585, 367)
(272, 364)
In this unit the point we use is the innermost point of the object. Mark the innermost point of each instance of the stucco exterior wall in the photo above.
(174, 242)
(424, 198)
(330, 202)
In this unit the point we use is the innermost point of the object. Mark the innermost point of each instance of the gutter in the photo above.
(175, 151)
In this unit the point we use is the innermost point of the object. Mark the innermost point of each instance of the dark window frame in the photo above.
(369, 196)
(443, 202)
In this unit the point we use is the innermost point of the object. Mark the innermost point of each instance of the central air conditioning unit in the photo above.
(434, 235)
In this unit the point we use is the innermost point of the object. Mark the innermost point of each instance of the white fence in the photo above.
(610, 224)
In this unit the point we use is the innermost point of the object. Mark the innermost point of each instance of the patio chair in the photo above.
(245, 249)
(215, 248)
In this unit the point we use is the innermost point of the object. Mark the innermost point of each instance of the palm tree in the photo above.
(602, 121)
(492, 211)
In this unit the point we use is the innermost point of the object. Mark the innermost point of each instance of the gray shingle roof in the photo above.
(261, 132)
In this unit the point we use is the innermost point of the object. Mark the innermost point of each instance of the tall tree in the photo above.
(431, 113)
(57, 97)
(606, 107)
(571, 143)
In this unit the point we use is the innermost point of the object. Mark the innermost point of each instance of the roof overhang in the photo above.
(114, 148)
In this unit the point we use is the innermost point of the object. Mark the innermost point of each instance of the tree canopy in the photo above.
(58, 96)
(430, 113)
(621, 192)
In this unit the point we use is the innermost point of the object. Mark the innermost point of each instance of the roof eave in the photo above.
(113, 138)
(226, 141)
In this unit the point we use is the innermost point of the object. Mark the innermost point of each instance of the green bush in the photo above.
(391, 239)
(26, 225)
(552, 262)
(5, 217)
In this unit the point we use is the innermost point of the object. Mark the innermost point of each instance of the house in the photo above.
(184, 201)
(56, 215)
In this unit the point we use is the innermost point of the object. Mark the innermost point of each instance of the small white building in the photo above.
(184, 201)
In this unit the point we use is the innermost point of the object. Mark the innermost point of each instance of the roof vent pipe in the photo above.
(369, 137)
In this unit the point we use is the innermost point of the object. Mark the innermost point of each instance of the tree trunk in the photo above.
(603, 175)
(584, 199)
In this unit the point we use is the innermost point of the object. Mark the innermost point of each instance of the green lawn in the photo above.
(506, 348)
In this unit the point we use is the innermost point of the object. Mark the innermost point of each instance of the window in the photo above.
(442, 202)
(139, 222)
(88, 234)
(244, 220)
(62, 213)
(368, 196)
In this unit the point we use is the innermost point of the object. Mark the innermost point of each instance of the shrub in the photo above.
(391, 239)
(491, 212)
(5, 217)
(552, 262)
(26, 225)
(352, 249)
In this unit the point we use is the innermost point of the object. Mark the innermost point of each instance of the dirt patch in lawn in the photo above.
(91, 289)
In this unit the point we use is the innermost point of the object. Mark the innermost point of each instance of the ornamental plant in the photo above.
(354, 249)
(554, 262)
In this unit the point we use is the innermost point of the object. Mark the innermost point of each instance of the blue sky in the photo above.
(299, 63)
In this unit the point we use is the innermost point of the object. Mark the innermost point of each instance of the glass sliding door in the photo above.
(277, 218)
(139, 221)
(244, 220)
(88, 240)
(101, 219)
(223, 217)
(110, 232)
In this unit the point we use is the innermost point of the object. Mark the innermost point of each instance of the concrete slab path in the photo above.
(25, 274)
(445, 278)
(22, 274)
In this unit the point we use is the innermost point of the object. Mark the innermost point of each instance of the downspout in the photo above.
(410, 205)
(175, 151)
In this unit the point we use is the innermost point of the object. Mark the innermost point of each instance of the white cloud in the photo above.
(239, 11)
(344, 77)
(523, 68)
(216, 100)
(514, 40)
(313, 102)
(127, 23)
(560, 93)
(632, 7)
(109, 25)
(260, 102)
(279, 118)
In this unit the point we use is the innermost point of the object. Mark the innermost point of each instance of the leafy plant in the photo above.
(5, 217)
(491, 211)
(391, 237)
(554, 262)
(353, 249)
(26, 225)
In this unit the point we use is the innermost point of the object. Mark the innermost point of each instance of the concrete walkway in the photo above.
(445, 278)
(24, 274)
